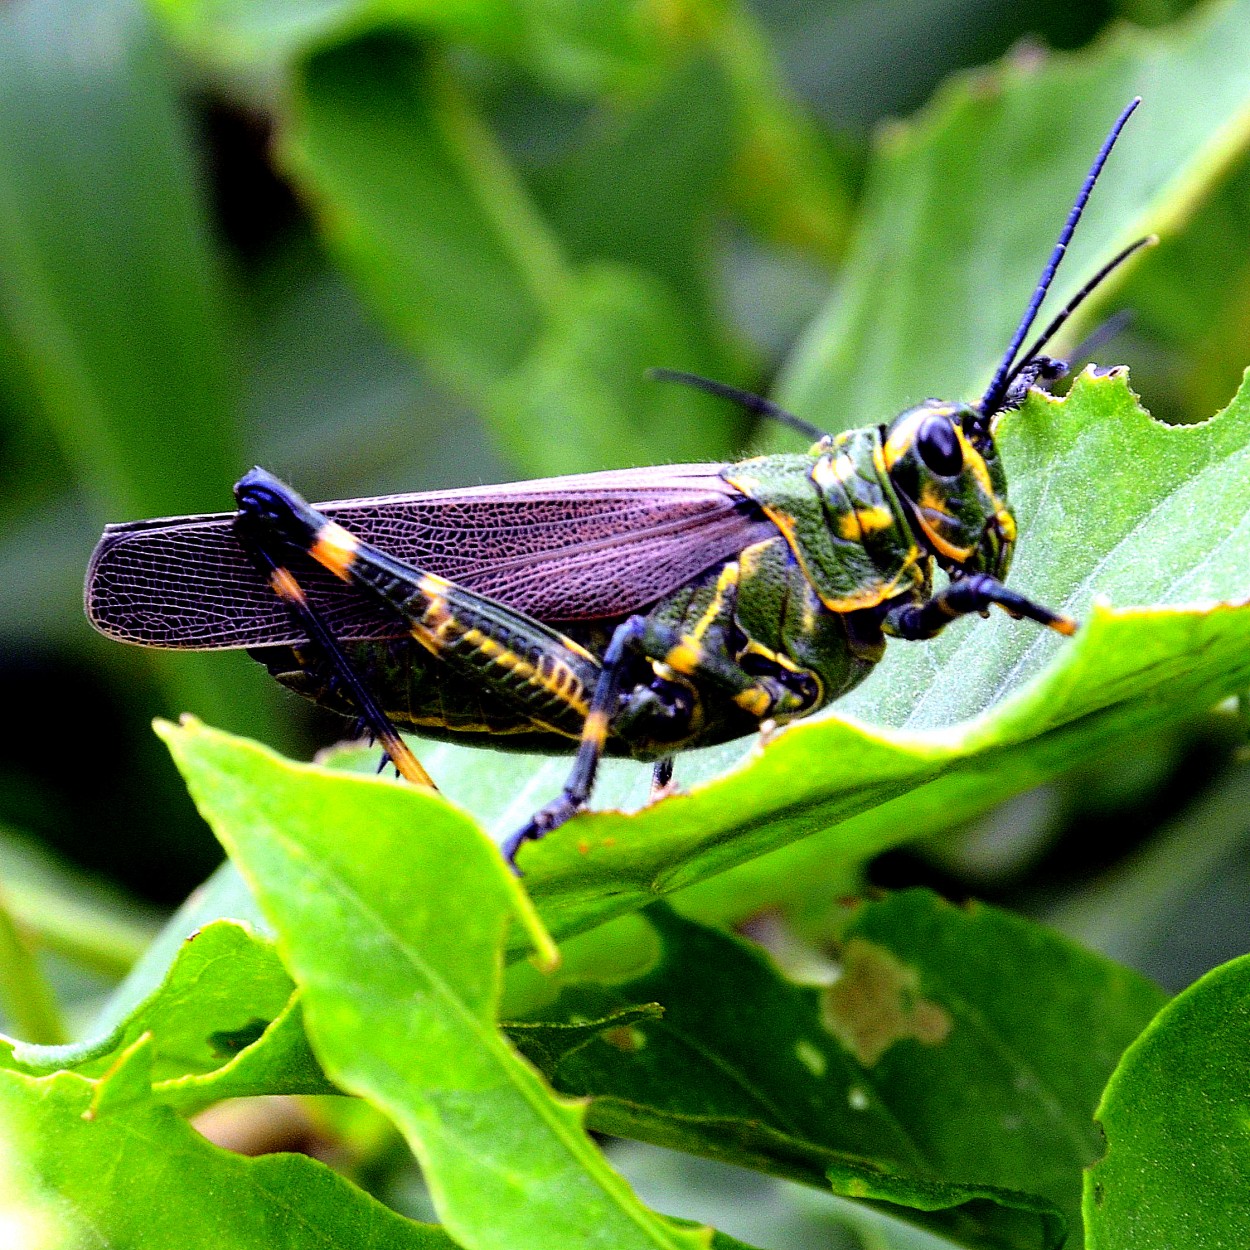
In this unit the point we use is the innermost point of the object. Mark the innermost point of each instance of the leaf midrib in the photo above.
(488, 1038)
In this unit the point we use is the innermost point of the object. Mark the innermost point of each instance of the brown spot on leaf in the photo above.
(876, 1002)
(625, 1038)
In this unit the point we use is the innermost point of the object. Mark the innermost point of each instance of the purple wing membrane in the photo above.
(590, 547)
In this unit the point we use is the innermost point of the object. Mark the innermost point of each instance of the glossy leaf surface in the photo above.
(101, 1163)
(396, 942)
(1174, 1114)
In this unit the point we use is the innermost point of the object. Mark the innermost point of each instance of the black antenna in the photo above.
(1074, 303)
(992, 400)
(752, 403)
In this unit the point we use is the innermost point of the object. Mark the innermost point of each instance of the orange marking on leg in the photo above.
(596, 727)
(286, 587)
(407, 764)
(335, 548)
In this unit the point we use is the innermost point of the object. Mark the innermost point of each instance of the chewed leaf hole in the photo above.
(227, 1042)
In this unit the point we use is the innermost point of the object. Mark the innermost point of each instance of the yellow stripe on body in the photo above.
(728, 577)
(433, 585)
(749, 559)
(931, 501)
(687, 654)
(830, 471)
(562, 682)
(684, 657)
(773, 657)
(860, 522)
(868, 598)
(435, 630)
(754, 701)
(874, 519)
(902, 437)
(974, 461)
(823, 473)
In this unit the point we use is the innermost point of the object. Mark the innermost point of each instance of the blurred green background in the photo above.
(395, 246)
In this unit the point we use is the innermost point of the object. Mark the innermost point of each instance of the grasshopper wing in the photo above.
(589, 547)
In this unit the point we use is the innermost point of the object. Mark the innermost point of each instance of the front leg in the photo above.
(975, 593)
(626, 642)
(698, 655)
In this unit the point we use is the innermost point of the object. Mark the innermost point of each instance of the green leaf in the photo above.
(335, 403)
(963, 205)
(665, 157)
(26, 995)
(109, 288)
(224, 1022)
(612, 45)
(792, 182)
(584, 383)
(1191, 322)
(954, 1064)
(64, 911)
(226, 985)
(265, 35)
(574, 47)
(223, 895)
(1136, 909)
(1175, 1114)
(391, 918)
(421, 209)
(221, 980)
(100, 1163)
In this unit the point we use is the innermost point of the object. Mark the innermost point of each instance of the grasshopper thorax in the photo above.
(944, 467)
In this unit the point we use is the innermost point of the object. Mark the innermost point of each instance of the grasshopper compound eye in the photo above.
(938, 445)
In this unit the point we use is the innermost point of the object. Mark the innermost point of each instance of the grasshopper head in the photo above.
(943, 463)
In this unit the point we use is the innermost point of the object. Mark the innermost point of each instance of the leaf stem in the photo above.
(26, 995)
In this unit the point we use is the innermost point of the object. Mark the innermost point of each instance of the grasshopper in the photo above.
(636, 613)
